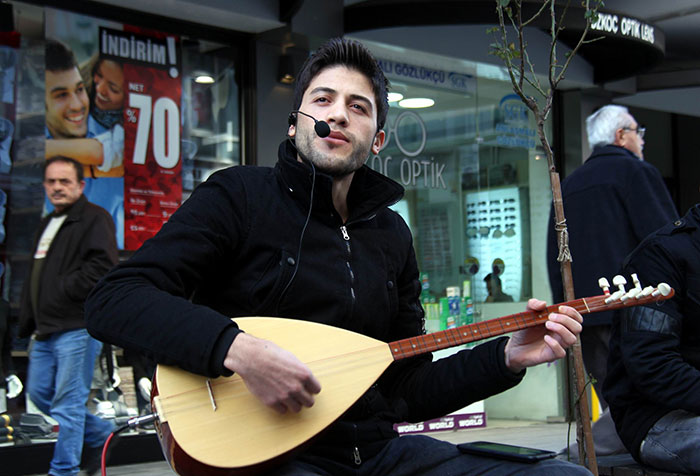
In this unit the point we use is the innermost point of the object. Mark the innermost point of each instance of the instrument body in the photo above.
(239, 427)
(216, 427)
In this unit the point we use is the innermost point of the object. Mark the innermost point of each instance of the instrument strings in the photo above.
(233, 388)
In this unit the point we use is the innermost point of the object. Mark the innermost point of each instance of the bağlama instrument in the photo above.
(216, 427)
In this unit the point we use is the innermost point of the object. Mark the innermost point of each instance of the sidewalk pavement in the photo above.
(548, 436)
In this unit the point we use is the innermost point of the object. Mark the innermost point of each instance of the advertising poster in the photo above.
(117, 112)
(9, 42)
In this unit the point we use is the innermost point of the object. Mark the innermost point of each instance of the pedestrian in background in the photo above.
(611, 203)
(74, 247)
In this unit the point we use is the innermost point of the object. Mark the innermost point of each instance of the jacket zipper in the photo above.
(356, 451)
(356, 455)
(351, 273)
(346, 236)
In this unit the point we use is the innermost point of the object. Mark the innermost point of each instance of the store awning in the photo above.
(624, 46)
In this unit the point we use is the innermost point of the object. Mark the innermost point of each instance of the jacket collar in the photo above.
(74, 212)
(369, 192)
(693, 215)
(611, 149)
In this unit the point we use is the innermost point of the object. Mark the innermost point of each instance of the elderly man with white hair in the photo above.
(611, 203)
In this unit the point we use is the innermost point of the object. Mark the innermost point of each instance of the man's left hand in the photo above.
(544, 343)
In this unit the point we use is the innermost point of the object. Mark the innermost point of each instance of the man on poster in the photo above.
(67, 133)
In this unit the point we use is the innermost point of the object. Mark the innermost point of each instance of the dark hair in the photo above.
(353, 55)
(492, 277)
(59, 158)
(59, 57)
(88, 71)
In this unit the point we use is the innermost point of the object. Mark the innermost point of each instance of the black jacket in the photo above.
(654, 361)
(232, 249)
(82, 251)
(611, 203)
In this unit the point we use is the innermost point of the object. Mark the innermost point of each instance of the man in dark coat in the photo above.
(314, 239)
(611, 203)
(73, 248)
(654, 370)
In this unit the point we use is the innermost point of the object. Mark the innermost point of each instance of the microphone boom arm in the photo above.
(321, 127)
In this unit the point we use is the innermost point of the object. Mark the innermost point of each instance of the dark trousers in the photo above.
(595, 348)
(425, 456)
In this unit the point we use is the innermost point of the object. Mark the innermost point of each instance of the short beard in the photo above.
(328, 166)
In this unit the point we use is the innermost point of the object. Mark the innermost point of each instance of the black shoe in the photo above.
(92, 457)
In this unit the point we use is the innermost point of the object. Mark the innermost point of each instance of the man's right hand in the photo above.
(275, 376)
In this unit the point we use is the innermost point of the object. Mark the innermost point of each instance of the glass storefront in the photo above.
(477, 194)
(170, 116)
(477, 189)
(472, 167)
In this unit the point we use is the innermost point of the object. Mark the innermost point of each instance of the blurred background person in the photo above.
(611, 203)
(74, 247)
(495, 289)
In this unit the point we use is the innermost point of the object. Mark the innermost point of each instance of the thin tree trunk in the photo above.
(519, 66)
(586, 448)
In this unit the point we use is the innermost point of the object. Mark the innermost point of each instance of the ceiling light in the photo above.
(414, 103)
(285, 69)
(203, 78)
(393, 97)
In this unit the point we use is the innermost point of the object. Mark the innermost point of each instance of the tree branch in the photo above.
(536, 15)
(580, 41)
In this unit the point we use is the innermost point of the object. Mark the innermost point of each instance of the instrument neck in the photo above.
(422, 344)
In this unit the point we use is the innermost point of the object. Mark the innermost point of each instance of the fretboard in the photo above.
(404, 348)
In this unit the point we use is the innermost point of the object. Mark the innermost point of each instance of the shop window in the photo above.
(174, 99)
(477, 197)
(211, 122)
(477, 189)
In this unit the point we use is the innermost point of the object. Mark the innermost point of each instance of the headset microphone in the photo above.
(321, 127)
(322, 130)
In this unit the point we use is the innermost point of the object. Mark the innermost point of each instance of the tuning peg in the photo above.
(604, 285)
(636, 282)
(620, 282)
(634, 292)
(645, 292)
(662, 289)
(614, 296)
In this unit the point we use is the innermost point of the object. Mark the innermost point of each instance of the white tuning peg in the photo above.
(645, 292)
(662, 289)
(620, 282)
(615, 296)
(634, 292)
(604, 285)
(636, 282)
